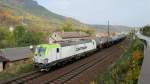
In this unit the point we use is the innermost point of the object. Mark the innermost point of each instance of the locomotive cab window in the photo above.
(57, 50)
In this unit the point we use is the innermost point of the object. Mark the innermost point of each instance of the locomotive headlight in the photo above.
(46, 61)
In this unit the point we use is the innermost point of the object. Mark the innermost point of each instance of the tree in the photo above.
(90, 31)
(2, 37)
(19, 33)
(32, 38)
(2, 34)
(146, 30)
(68, 26)
(26, 38)
(7, 17)
(7, 38)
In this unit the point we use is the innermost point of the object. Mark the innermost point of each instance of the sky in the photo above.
(118, 12)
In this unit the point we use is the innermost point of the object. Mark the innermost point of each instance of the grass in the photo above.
(17, 70)
(127, 68)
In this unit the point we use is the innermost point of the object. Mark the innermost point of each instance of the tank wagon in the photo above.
(48, 55)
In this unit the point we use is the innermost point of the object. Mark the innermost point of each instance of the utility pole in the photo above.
(108, 32)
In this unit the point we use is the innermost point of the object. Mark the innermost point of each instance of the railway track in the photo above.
(76, 71)
(24, 78)
(36, 74)
(66, 76)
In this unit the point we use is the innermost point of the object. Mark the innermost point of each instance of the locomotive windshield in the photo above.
(41, 51)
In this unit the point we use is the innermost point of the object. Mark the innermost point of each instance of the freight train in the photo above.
(48, 55)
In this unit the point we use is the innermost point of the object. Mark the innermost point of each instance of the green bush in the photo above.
(16, 71)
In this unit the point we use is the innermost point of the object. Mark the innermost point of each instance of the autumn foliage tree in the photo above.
(6, 17)
(136, 55)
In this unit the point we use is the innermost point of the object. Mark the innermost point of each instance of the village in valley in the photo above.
(70, 42)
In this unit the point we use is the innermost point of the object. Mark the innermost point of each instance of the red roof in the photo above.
(65, 35)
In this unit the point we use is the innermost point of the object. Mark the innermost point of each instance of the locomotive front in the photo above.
(45, 54)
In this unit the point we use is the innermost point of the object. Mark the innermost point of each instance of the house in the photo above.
(13, 56)
(2, 60)
(62, 36)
